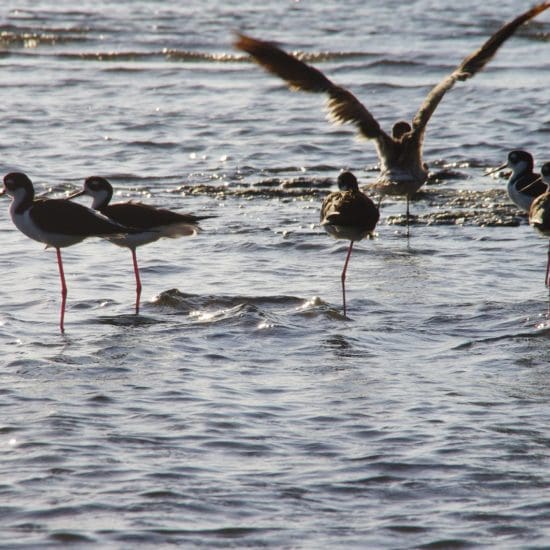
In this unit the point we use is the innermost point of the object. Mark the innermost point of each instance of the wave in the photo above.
(29, 37)
(190, 56)
(32, 38)
(259, 311)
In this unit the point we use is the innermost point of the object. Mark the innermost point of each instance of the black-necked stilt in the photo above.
(524, 185)
(402, 169)
(539, 214)
(149, 223)
(348, 214)
(55, 222)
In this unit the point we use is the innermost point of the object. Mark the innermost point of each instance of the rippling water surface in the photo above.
(241, 409)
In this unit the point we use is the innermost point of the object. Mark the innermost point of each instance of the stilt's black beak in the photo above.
(501, 167)
(76, 194)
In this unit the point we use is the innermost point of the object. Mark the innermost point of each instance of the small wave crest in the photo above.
(259, 312)
(28, 37)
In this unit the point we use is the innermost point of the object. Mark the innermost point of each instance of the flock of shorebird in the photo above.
(345, 214)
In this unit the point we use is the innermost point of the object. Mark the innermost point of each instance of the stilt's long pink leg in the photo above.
(138, 280)
(63, 291)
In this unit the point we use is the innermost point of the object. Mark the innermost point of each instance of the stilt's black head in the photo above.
(99, 189)
(18, 184)
(516, 157)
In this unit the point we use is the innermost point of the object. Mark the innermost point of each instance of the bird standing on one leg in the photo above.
(55, 222)
(348, 214)
(149, 224)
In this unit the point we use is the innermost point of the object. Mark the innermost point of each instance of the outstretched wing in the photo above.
(342, 105)
(472, 65)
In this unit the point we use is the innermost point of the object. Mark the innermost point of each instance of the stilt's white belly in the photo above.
(25, 224)
(523, 200)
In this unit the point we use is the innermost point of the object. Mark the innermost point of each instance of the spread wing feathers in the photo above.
(62, 216)
(343, 106)
(299, 75)
(472, 64)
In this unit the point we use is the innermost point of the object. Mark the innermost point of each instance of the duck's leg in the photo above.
(343, 276)
(547, 280)
(408, 215)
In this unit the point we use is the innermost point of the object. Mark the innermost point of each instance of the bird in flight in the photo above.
(402, 169)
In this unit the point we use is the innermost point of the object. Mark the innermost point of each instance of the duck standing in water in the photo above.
(348, 214)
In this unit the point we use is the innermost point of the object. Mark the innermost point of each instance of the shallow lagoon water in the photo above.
(241, 409)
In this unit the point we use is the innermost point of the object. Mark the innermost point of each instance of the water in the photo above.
(241, 409)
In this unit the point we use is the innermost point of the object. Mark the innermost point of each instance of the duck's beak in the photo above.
(3, 191)
(501, 167)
